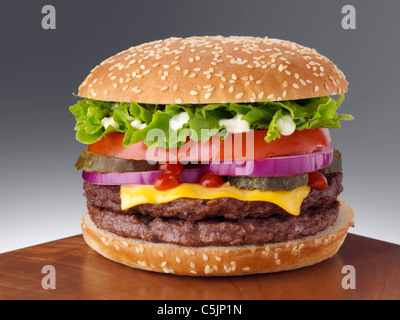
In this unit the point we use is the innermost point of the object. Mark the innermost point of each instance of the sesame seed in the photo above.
(207, 95)
(208, 269)
(205, 257)
(260, 95)
(179, 101)
(166, 270)
(316, 89)
(194, 93)
(296, 86)
(239, 95)
(230, 89)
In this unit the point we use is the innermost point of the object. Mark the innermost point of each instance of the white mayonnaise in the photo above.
(138, 124)
(286, 125)
(236, 124)
(177, 121)
(109, 121)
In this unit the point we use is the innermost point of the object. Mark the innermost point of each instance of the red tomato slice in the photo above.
(238, 146)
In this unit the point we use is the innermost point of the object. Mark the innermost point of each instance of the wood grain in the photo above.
(81, 273)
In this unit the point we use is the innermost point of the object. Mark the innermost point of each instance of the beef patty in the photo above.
(216, 232)
(222, 221)
(108, 197)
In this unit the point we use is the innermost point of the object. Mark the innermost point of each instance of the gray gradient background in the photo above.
(41, 193)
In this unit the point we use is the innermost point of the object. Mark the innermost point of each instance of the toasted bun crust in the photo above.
(215, 69)
(220, 261)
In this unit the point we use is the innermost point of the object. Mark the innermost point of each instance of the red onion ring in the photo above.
(139, 178)
(274, 166)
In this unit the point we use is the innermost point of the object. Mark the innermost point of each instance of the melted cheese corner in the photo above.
(133, 195)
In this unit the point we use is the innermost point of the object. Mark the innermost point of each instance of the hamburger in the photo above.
(211, 156)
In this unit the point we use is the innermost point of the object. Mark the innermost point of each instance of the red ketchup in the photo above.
(317, 181)
(170, 178)
(211, 180)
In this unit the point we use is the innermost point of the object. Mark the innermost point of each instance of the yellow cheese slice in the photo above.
(133, 195)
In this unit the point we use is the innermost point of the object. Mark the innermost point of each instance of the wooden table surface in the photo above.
(81, 273)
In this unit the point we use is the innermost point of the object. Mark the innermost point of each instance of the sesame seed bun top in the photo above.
(214, 69)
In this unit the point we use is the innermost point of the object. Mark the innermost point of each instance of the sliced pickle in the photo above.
(288, 183)
(89, 161)
(335, 165)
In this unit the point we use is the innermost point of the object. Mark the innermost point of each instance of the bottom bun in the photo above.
(220, 261)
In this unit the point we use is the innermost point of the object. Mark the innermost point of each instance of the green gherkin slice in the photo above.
(335, 165)
(90, 162)
(288, 183)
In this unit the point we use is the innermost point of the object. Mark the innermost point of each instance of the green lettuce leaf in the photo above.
(204, 120)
